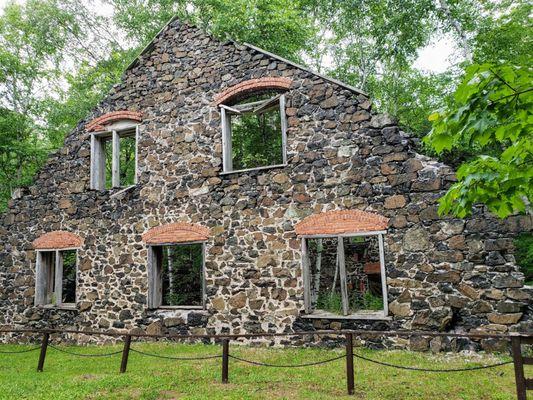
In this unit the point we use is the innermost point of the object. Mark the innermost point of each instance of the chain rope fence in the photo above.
(349, 355)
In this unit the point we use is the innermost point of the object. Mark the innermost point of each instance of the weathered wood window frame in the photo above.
(227, 111)
(342, 269)
(155, 280)
(48, 291)
(113, 134)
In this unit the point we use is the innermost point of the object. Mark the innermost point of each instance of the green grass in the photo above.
(68, 377)
(332, 302)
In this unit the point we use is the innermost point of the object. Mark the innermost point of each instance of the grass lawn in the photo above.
(69, 377)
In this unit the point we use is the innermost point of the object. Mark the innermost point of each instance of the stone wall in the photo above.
(443, 274)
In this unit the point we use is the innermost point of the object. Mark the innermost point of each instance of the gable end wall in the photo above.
(443, 274)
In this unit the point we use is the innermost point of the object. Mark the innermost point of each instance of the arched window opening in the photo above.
(254, 126)
(343, 264)
(114, 150)
(176, 271)
(56, 269)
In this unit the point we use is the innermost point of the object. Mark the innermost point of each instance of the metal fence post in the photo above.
(125, 354)
(516, 347)
(225, 360)
(349, 364)
(42, 356)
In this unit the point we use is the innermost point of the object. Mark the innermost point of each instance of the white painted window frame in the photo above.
(42, 280)
(155, 287)
(342, 269)
(112, 134)
(227, 154)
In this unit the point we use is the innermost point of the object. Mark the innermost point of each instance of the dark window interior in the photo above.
(69, 276)
(363, 274)
(181, 274)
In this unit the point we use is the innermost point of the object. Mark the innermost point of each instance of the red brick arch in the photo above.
(57, 240)
(242, 89)
(179, 232)
(97, 124)
(341, 222)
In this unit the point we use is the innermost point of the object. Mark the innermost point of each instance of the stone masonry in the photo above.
(444, 274)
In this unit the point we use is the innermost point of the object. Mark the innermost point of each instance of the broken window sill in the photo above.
(177, 308)
(253, 169)
(121, 190)
(364, 315)
(67, 307)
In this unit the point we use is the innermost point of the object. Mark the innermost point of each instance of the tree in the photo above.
(21, 153)
(278, 26)
(42, 44)
(491, 113)
(373, 45)
(506, 35)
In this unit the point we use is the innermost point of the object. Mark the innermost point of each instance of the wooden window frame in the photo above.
(155, 287)
(342, 270)
(43, 280)
(112, 134)
(227, 155)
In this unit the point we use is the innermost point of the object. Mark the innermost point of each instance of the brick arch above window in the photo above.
(341, 222)
(98, 124)
(179, 232)
(57, 240)
(241, 90)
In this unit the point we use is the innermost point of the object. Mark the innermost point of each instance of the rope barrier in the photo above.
(432, 370)
(287, 366)
(85, 355)
(20, 351)
(175, 358)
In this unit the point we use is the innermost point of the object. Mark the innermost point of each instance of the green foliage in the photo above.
(492, 114)
(21, 153)
(256, 137)
(330, 302)
(506, 35)
(368, 301)
(86, 87)
(524, 255)
(411, 96)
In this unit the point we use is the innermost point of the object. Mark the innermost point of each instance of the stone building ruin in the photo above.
(222, 189)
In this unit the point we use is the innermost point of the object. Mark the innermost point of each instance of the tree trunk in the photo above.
(467, 50)
(170, 270)
(336, 274)
(318, 268)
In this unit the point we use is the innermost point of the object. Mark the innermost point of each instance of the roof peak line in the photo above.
(150, 46)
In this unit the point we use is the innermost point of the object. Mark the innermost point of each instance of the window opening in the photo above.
(178, 271)
(345, 275)
(254, 132)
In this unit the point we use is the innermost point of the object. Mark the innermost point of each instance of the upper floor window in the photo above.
(56, 269)
(114, 150)
(254, 132)
(254, 125)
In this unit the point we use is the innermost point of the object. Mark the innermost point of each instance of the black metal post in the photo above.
(225, 360)
(516, 347)
(42, 356)
(125, 354)
(349, 364)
